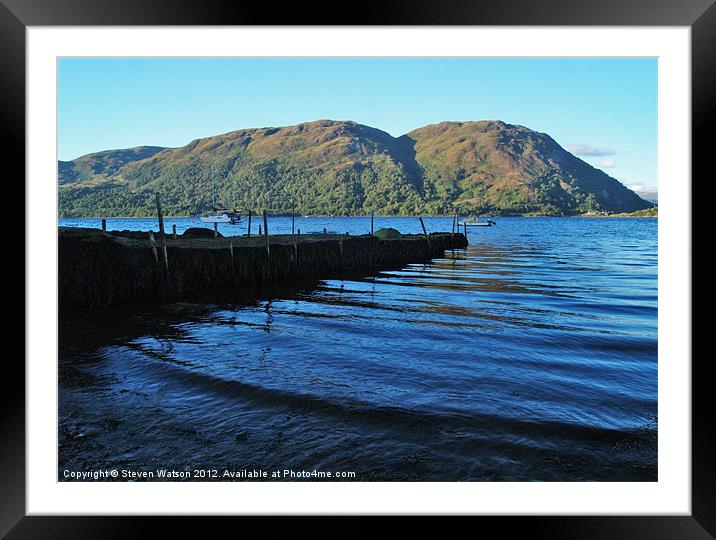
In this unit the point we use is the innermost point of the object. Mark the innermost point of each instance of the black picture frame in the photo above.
(699, 15)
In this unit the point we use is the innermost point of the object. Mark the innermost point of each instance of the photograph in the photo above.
(428, 261)
(357, 269)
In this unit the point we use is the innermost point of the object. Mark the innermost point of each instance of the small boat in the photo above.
(476, 222)
(219, 215)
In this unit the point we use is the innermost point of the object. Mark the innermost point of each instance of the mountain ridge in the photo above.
(347, 168)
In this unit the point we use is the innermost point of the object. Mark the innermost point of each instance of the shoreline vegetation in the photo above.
(648, 213)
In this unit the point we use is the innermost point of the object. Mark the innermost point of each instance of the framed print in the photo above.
(436, 261)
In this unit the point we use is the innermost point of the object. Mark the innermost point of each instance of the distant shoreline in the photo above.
(649, 213)
(631, 215)
(620, 216)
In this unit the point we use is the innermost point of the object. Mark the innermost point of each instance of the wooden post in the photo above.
(174, 231)
(160, 217)
(293, 218)
(268, 249)
(371, 222)
(249, 233)
(324, 230)
(216, 230)
(425, 232)
(464, 225)
(453, 226)
(295, 249)
(104, 225)
(162, 237)
(154, 247)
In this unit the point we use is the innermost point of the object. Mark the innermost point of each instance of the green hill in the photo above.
(100, 166)
(345, 168)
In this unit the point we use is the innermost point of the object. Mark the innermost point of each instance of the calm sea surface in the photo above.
(532, 355)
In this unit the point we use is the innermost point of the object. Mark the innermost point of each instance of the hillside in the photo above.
(345, 168)
(102, 165)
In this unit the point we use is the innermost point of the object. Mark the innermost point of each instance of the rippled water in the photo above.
(532, 355)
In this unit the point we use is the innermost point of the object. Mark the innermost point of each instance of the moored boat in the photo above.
(232, 218)
(476, 222)
(219, 215)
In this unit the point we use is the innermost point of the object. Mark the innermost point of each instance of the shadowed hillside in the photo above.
(102, 165)
(345, 168)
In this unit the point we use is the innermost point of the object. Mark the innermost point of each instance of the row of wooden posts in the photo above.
(455, 224)
(163, 245)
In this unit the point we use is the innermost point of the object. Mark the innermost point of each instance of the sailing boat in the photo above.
(476, 222)
(219, 215)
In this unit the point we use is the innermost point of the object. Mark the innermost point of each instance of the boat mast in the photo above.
(213, 194)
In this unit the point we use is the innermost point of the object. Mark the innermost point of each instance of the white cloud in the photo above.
(607, 164)
(640, 187)
(636, 186)
(587, 150)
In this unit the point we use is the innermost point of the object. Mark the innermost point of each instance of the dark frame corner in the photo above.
(700, 15)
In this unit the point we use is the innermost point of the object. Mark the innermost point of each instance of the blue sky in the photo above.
(602, 109)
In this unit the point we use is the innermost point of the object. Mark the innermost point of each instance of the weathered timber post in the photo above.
(162, 237)
(104, 225)
(164, 252)
(464, 225)
(295, 249)
(425, 232)
(154, 247)
(231, 251)
(268, 249)
(160, 217)
(452, 234)
(216, 230)
(174, 231)
(324, 230)
(249, 233)
(371, 222)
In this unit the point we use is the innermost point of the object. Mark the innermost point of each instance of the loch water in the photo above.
(529, 356)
